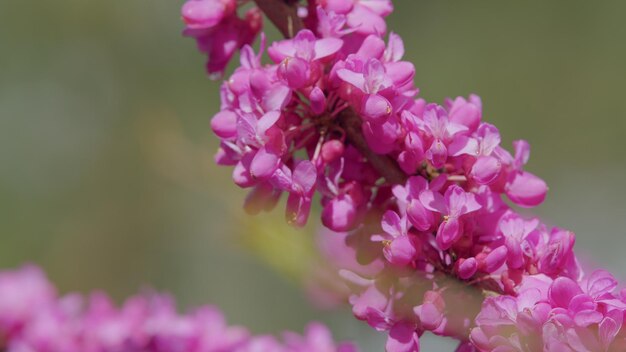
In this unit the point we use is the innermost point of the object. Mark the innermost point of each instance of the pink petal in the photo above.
(400, 73)
(373, 47)
(415, 185)
(490, 138)
(607, 331)
(413, 143)
(375, 76)
(522, 152)
(468, 268)
(304, 176)
(525, 189)
(246, 128)
(203, 14)
(248, 58)
(298, 209)
(515, 256)
(587, 317)
(485, 170)
(437, 153)
(380, 138)
(264, 164)
(332, 150)
(380, 7)
(262, 197)
(466, 114)
(395, 48)
(392, 224)
(339, 6)
(600, 282)
(376, 319)
(304, 44)
(241, 175)
(419, 217)
(326, 47)
(318, 100)
(562, 291)
(401, 250)
(376, 108)
(354, 78)
(364, 21)
(402, 338)
(430, 316)
(448, 233)
(280, 50)
(276, 98)
(295, 71)
(463, 145)
(339, 214)
(224, 124)
(455, 128)
(460, 202)
(408, 162)
(433, 201)
(267, 121)
(495, 259)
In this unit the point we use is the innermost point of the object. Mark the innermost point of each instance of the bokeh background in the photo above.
(106, 173)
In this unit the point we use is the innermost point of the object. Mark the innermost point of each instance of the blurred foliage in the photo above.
(106, 173)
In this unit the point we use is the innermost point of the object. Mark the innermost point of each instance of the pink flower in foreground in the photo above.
(33, 318)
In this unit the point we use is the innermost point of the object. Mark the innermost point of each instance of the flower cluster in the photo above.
(419, 192)
(554, 315)
(34, 319)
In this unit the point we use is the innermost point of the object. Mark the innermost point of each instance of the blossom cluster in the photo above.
(33, 318)
(422, 195)
(555, 315)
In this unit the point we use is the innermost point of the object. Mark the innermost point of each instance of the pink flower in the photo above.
(453, 205)
(298, 57)
(442, 134)
(204, 14)
(301, 192)
(371, 81)
(400, 247)
(33, 318)
(217, 33)
(402, 338)
(523, 188)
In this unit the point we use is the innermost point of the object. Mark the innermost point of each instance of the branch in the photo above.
(283, 14)
(386, 166)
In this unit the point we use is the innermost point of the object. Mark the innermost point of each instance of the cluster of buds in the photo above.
(418, 190)
(33, 318)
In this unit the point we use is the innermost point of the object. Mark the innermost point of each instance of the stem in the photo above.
(283, 14)
(387, 167)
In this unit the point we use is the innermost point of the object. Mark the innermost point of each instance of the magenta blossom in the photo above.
(452, 206)
(34, 318)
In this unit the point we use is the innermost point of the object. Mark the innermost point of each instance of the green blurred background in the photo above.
(106, 173)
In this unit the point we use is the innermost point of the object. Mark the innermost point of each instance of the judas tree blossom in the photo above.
(299, 58)
(33, 318)
(205, 14)
(422, 195)
(219, 31)
(554, 315)
(452, 206)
